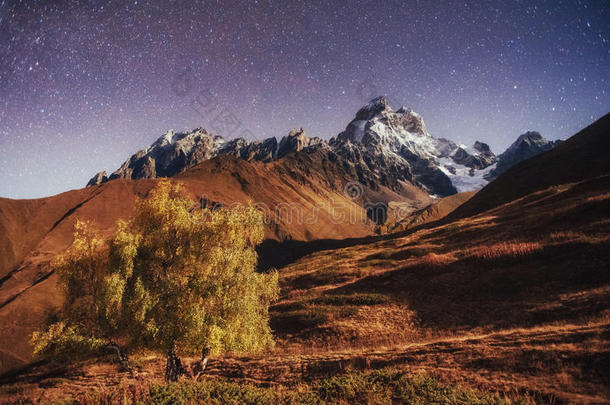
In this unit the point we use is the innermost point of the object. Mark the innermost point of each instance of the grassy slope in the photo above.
(492, 270)
(514, 300)
(433, 212)
(32, 232)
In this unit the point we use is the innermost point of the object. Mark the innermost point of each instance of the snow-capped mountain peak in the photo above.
(376, 106)
(380, 146)
(377, 124)
(402, 137)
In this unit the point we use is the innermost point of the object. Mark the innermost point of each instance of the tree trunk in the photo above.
(198, 368)
(122, 357)
(173, 367)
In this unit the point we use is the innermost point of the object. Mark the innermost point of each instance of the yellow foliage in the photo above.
(62, 342)
(174, 278)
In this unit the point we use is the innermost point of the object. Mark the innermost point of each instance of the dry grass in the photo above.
(545, 364)
(510, 269)
(505, 250)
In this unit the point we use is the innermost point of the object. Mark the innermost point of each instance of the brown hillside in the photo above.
(582, 156)
(515, 300)
(433, 212)
(24, 223)
(531, 268)
(302, 196)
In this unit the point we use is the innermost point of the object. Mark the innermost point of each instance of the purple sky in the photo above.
(83, 85)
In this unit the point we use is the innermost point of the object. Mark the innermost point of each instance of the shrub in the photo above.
(390, 386)
(383, 386)
(436, 260)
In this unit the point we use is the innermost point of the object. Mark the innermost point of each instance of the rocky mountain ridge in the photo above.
(526, 146)
(380, 146)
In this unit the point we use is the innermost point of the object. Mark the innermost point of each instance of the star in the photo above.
(108, 76)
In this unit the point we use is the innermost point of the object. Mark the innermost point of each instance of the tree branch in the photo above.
(122, 357)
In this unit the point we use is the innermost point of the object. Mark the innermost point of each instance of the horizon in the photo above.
(85, 87)
(278, 138)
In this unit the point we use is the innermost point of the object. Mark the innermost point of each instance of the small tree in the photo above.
(175, 279)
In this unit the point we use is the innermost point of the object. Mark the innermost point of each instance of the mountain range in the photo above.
(379, 147)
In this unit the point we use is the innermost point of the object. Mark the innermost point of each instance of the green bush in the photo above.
(377, 387)
(383, 386)
(211, 392)
(388, 386)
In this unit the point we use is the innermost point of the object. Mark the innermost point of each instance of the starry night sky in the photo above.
(83, 85)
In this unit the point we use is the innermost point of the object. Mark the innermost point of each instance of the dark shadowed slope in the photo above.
(583, 156)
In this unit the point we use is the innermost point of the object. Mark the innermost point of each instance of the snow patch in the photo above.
(395, 138)
(169, 137)
(461, 177)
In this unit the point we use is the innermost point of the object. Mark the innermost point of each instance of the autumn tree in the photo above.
(83, 326)
(175, 278)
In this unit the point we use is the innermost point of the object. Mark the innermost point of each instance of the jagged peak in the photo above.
(378, 101)
(295, 141)
(297, 132)
(235, 141)
(269, 140)
(407, 111)
(164, 139)
(98, 179)
(374, 107)
(530, 136)
(171, 137)
(481, 147)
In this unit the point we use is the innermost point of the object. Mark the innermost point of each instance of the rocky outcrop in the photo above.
(296, 141)
(174, 152)
(262, 151)
(98, 179)
(478, 157)
(170, 154)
